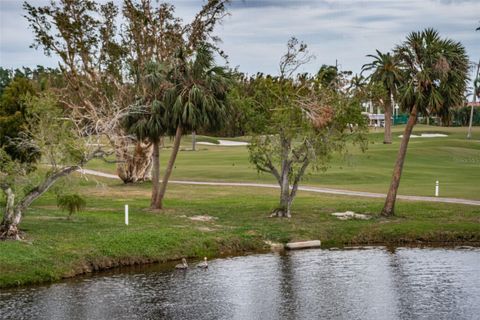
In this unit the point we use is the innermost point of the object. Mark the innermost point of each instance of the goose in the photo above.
(203, 264)
(182, 265)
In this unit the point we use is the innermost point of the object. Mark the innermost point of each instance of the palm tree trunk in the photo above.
(388, 208)
(155, 174)
(194, 140)
(387, 138)
(470, 122)
(168, 171)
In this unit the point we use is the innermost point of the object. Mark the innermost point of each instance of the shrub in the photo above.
(72, 203)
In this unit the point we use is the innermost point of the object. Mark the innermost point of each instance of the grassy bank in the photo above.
(97, 238)
(452, 160)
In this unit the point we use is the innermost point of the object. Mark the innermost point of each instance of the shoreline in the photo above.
(105, 264)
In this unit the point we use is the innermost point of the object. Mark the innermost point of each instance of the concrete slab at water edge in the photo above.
(303, 245)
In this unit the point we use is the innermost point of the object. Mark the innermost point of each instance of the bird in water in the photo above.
(203, 264)
(183, 265)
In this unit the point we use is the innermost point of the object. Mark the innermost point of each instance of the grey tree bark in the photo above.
(14, 212)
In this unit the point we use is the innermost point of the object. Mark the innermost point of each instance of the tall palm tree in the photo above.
(387, 72)
(435, 80)
(147, 120)
(196, 99)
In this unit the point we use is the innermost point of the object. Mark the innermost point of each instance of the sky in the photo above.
(256, 31)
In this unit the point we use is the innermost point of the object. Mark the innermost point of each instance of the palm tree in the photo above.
(435, 80)
(196, 99)
(387, 72)
(147, 121)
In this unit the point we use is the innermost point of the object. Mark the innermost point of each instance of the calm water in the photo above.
(311, 284)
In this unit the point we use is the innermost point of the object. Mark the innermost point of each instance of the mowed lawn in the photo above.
(452, 160)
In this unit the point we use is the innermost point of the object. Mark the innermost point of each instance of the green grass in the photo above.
(97, 238)
(452, 160)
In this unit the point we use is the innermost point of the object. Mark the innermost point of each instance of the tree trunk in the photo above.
(470, 122)
(194, 140)
(388, 208)
(283, 209)
(169, 169)
(13, 213)
(469, 134)
(387, 138)
(11, 218)
(134, 167)
(155, 174)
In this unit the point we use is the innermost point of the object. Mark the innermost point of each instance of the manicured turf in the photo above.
(453, 160)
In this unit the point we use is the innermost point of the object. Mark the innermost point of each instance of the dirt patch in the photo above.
(204, 218)
(205, 229)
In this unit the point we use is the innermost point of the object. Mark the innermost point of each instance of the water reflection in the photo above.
(312, 284)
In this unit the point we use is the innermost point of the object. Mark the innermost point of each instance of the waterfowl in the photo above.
(183, 265)
(203, 264)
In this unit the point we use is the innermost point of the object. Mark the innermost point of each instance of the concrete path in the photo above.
(305, 188)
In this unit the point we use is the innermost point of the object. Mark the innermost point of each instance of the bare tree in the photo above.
(103, 62)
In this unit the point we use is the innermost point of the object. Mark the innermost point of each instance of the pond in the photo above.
(373, 283)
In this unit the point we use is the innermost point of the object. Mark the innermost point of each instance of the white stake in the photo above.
(126, 214)
(436, 188)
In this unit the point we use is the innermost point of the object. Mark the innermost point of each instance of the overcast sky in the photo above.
(255, 34)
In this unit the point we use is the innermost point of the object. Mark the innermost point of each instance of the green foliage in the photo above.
(461, 116)
(386, 71)
(147, 116)
(53, 134)
(197, 96)
(310, 124)
(247, 114)
(435, 73)
(13, 115)
(72, 203)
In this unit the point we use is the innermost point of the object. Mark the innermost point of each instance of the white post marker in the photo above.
(126, 214)
(436, 188)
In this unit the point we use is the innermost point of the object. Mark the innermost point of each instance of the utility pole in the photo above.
(475, 88)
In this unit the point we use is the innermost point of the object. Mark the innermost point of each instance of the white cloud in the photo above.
(255, 34)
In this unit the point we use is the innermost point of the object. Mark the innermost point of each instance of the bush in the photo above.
(72, 203)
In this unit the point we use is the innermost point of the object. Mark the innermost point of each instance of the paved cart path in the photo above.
(304, 188)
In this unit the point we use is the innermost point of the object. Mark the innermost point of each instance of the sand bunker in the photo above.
(202, 218)
(426, 135)
(225, 143)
